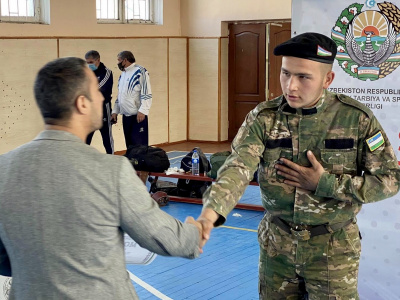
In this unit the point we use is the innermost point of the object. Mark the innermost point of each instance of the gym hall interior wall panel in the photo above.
(224, 89)
(152, 54)
(20, 60)
(177, 89)
(203, 89)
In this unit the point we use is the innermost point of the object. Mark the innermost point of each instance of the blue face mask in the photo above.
(92, 67)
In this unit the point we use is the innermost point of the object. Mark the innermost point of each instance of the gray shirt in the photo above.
(63, 210)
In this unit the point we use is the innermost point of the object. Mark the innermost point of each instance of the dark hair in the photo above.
(92, 54)
(128, 55)
(57, 85)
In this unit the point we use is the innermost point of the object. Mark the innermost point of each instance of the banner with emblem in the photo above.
(367, 35)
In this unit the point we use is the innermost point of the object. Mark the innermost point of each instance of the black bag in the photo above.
(217, 160)
(193, 188)
(168, 187)
(147, 158)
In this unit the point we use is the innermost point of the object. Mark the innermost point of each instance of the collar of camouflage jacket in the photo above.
(319, 107)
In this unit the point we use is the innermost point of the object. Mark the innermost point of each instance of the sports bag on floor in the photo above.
(147, 158)
(217, 160)
(158, 185)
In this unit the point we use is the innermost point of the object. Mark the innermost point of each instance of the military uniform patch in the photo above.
(375, 141)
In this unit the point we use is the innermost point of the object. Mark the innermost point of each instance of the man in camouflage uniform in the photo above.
(320, 156)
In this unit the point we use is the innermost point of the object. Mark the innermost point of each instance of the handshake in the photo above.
(204, 223)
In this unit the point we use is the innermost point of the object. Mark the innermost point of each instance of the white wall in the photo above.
(203, 18)
(203, 89)
(73, 18)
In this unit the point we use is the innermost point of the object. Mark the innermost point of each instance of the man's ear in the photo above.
(328, 79)
(82, 104)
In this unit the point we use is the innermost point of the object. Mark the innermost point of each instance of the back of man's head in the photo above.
(128, 55)
(92, 54)
(57, 85)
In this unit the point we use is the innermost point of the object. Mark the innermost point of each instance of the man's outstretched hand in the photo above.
(207, 219)
(191, 220)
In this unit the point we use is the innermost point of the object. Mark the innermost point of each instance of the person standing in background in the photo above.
(134, 100)
(105, 78)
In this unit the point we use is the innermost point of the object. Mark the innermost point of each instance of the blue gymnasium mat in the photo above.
(228, 268)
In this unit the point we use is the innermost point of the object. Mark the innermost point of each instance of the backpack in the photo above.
(217, 160)
(147, 158)
(193, 188)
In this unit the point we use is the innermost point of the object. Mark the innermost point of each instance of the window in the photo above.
(25, 11)
(129, 11)
(137, 10)
(107, 9)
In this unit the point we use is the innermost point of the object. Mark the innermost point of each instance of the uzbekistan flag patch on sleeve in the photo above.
(375, 141)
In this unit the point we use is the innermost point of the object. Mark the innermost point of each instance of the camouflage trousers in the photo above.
(323, 267)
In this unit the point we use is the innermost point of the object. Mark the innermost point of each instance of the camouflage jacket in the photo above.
(340, 132)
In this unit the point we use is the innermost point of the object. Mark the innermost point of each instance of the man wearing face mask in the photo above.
(134, 100)
(105, 79)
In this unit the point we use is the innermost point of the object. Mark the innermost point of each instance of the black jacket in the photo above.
(105, 78)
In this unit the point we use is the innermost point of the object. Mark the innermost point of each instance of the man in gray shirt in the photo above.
(64, 207)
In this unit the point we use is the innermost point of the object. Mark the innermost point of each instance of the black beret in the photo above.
(309, 45)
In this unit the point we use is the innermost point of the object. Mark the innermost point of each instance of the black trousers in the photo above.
(106, 130)
(135, 133)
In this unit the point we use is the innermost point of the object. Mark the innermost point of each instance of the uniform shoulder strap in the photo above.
(269, 104)
(352, 102)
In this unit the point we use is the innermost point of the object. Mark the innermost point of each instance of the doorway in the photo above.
(278, 33)
(247, 68)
